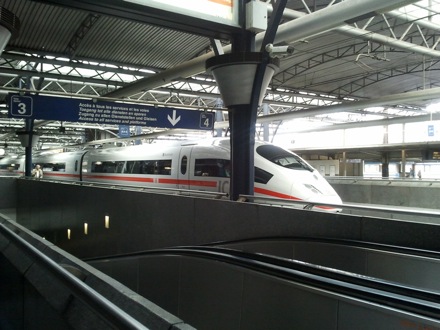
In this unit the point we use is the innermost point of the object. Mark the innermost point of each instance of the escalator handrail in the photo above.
(345, 242)
(109, 312)
(406, 298)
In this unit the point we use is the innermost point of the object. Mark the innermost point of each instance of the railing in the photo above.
(346, 208)
(349, 208)
(109, 312)
(156, 190)
(355, 179)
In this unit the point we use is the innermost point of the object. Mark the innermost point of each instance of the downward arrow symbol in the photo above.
(174, 120)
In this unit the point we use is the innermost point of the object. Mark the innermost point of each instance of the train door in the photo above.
(81, 166)
(183, 170)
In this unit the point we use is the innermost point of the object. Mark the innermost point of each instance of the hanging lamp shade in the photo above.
(9, 27)
(235, 76)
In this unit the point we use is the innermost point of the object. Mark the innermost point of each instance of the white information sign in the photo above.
(220, 11)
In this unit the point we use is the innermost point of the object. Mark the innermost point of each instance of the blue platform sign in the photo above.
(23, 107)
(124, 131)
(104, 112)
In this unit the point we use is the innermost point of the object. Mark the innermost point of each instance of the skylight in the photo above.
(424, 9)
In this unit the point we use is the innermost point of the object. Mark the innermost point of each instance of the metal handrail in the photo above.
(266, 200)
(169, 191)
(363, 207)
(285, 202)
(263, 200)
(381, 179)
(404, 298)
(109, 312)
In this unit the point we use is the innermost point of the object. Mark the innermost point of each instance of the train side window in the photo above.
(106, 167)
(54, 167)
(212, 167)
(76, 165)
(119, 166)
(262, 176)
(97, 167)
(183, 164)
(132, 167)
(164, 167)
(158, 167)
(147, 167)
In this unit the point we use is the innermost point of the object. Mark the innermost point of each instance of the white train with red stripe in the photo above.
(202, 165)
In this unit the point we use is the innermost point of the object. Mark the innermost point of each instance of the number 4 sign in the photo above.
(21, 106)
(206, 120)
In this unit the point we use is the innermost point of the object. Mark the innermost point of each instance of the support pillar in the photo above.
(402, 169)
(242, 79)
(344, 163)
(242, 119)
(385, 165)
(28, 139)
(28, 147)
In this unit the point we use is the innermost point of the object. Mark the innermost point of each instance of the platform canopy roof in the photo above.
(354, 62)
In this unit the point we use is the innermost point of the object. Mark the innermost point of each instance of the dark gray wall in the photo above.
(142, 221)
(21, 306)
(8, 193)
(33, 294)
(410, 193)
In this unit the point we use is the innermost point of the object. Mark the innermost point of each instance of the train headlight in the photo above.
(312, 188)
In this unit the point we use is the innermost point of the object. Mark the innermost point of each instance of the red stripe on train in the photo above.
(61, 174)
(118, 178)
(274, 194)
(284, 196)
(199, 183)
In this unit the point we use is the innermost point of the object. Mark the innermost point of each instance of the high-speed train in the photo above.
(202, 165)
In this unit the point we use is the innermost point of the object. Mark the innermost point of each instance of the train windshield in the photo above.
(283, 158)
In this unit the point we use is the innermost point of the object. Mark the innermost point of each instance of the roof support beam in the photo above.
(426, 94)
(371, 123)
(379, 38)
(80, 34)
(319, 21)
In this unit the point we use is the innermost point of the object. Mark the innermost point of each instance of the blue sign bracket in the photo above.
(104, 112)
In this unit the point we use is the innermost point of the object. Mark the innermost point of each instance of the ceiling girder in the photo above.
(295, 30)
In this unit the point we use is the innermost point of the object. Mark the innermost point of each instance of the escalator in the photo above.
(214, 287)
(408, 266)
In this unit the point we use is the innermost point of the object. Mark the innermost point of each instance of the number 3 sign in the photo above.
(21, 106)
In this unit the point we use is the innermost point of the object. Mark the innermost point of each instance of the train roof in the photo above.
(221, 142)
(11, 157)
